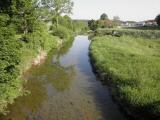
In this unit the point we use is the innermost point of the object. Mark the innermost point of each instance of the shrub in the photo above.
(4, 18)
(9, 59)
(61, 32)
(65, 21)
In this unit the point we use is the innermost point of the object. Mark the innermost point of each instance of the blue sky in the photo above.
(136, 10)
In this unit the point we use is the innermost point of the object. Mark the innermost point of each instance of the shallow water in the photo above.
(65, 88)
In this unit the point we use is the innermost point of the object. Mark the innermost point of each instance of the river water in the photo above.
(65, 88)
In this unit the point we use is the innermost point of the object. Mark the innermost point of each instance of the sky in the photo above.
(134, 10)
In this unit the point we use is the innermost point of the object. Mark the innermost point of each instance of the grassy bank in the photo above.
(152, 34)
(40, 41)
(132, 65)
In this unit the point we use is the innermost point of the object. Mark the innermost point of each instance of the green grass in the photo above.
(152, 34)
(134, 66)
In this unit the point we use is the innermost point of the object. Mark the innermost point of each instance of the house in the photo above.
(140, 24)
(147, 23)
(151, 23)
(128, 24)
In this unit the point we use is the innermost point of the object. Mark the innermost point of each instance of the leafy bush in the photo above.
(4, 19)
(16, 54)
(61, 32)
(80, 26)
(64, 21)
(9, 59)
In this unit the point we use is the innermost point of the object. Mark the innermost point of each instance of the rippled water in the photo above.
(65, 88)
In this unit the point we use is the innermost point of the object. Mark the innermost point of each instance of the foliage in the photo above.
(104, 16)
(103, 22)
(158, 19)
(92, 24)
(9, 59)
(133, 65)
(4, 19)
(80, 26)
(61, 32)
(5, 6)
(106, 24)
(40, 40)
(24, 15)
(65, 21)
(45, 14)
(59, 7)
(22, 36)
(68, 25)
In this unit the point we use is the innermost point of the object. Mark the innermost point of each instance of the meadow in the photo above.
(152, 34)
(131, 65)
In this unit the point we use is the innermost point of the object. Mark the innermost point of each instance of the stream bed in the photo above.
(65, 88)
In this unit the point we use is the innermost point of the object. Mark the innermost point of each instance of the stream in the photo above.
(65, 88)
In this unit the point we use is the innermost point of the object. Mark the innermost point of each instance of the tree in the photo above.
(24, 15)
(5, 6)
(58, 7)
(65, 21)
(104, 16)
(92, 24)
(158, 19)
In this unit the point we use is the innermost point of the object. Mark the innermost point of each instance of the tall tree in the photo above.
(5, 6)
(104, 16)
(158, 19)
(92, 24)
(24, 15)
(58, 7)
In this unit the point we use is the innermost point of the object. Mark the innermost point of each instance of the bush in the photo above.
(80, 26)
(16, 54)
(9, 59)
(65, 21)
(61, 32)
(4, 18)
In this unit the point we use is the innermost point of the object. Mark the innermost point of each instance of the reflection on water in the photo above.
(65, 88)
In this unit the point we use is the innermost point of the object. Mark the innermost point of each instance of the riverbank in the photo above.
(33, 49)
(64, 87)
(131, 68)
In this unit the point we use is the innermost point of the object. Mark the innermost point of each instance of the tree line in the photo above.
(103, 22)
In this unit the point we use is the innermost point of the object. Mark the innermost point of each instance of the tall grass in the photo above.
(152, 34)
(133, 64)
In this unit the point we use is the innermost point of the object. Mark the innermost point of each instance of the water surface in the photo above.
(65, 88)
